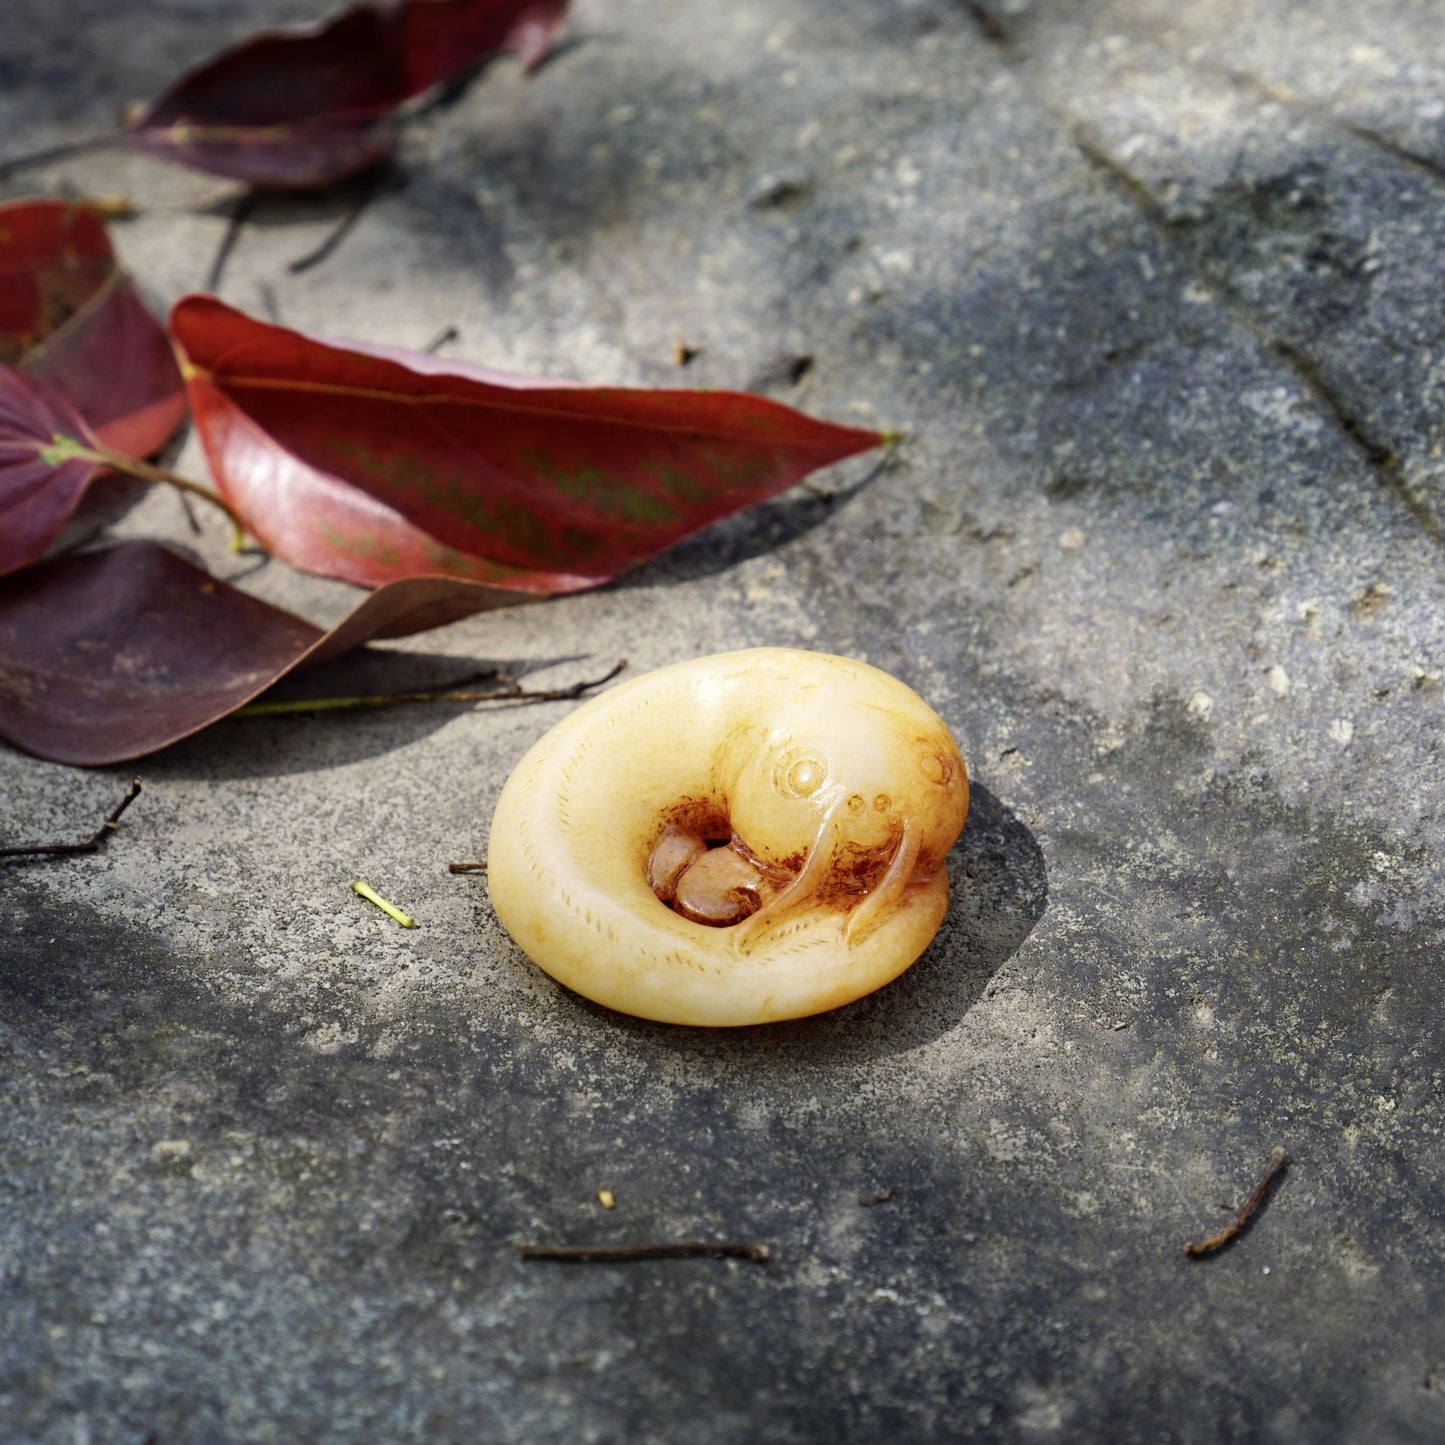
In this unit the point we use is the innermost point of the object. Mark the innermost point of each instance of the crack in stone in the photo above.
(1265, 90)
(1382, 460)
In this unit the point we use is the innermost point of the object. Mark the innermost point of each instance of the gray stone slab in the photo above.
(263, 1155)
(1296, 163)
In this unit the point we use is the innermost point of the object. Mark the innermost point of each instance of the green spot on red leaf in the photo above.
(43, 471)
(64, 449)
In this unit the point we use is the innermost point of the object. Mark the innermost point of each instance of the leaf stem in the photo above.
(147, 472)
(508, 691)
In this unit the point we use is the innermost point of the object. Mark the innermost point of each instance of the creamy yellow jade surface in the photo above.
(807, 800)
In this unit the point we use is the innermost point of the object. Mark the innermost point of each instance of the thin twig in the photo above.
(64, 152)
(621, 1253)
(240, 214)
(269, 303)
(1251, 1206)
(445, 335)
(133, 466)
(509, 691)
(987, 22)
(338, 233)
(468, 679)
(190, 512)
(91, 845)
(467, 867)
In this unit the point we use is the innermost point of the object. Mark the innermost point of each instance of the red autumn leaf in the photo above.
(305, 107)
(44, 468)
(370, 464)
(443, 38)
(71, 318)
(108, 655)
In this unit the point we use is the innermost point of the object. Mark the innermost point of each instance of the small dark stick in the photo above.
(467, 867)
(1247, 1210)
(186, 507)
(985, 19)
(507, 690)
(446, 334)
(270, 303)
(342, 229)
(91, 845)
(620, 1253)
(64, 152)
(240, 214)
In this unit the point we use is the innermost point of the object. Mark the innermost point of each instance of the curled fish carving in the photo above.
(738, 839)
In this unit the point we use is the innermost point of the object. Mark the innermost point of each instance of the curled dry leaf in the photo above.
(305, 107)
(108, 655)
(72, 319)
(372, 465)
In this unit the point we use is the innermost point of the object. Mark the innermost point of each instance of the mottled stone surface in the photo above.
(1154, 289)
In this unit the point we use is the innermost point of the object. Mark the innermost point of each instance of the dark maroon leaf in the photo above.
(70, 317)
(303, 108)
(108, 655)
(443, 38)
(44, 467)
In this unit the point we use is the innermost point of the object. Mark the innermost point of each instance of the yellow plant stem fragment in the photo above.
(369, 893)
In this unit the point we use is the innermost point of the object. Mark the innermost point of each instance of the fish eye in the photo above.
(936, 768)
(800, 776)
